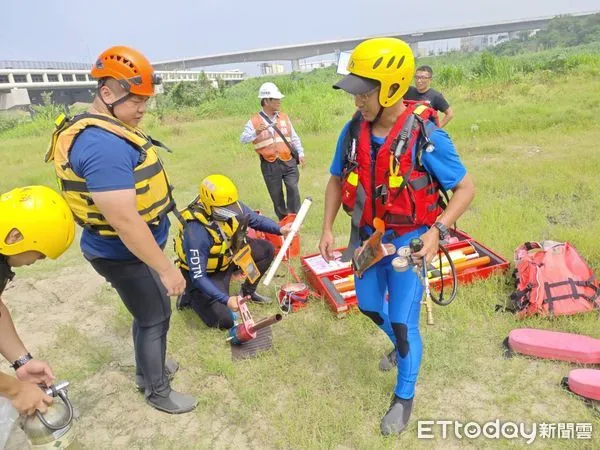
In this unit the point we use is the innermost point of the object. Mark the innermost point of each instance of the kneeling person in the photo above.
(212, 245)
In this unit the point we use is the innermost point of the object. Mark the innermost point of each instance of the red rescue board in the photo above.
(555, 345)
(584, 382)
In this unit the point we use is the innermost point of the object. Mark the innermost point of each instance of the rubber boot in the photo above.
(173, 402)
(396, 419)
(389, 361)
(171, 367)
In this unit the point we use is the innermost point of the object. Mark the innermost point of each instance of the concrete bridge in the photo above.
(294, 53)
(22, 85)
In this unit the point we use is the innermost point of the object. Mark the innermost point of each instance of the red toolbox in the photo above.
(323, 276)
(496, 262)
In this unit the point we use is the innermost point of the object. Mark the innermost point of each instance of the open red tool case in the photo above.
(324, 277)
(496, 264)
(321, 275)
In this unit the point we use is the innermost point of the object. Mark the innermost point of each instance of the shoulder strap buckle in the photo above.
(60, 121)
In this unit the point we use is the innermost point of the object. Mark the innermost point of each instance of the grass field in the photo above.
(531, 144)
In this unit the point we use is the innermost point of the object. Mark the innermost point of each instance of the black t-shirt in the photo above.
(435, 98)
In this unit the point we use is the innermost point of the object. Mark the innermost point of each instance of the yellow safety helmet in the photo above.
(41, 215)
(383, 62)
(219, 196)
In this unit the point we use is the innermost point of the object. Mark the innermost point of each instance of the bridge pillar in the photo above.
(414, 46)
(63, 97)
(295, 65)
(16, 97)
(82, 95)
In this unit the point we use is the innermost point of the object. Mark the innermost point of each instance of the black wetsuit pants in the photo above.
(146, 298)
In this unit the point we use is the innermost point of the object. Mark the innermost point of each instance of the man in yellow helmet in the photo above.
(35, 223)
(390, 164)
(212, 244)
(115, 184)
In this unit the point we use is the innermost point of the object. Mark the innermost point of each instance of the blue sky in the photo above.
(67, 30)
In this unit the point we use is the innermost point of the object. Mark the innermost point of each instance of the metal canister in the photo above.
(54, 429)
(402, 261)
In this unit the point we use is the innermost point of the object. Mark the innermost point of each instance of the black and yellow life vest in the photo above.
(153, 190)
(220, 254)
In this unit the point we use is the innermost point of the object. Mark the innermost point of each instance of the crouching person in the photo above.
(35, 223)
(212, 245)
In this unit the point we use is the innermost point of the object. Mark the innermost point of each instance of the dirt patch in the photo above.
(112, 414)
(42, 305)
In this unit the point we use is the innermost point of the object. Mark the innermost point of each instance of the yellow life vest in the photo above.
(153, 191)
(220, 254)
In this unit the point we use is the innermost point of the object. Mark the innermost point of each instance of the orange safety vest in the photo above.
(269, 144)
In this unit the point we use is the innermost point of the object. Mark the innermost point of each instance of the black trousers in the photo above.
(212, 312)
(276, 174)
(146, 298)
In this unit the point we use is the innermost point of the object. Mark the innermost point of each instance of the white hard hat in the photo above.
(269, 90)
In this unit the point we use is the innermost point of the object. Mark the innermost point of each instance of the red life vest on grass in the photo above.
(552, 279)
(398, 189)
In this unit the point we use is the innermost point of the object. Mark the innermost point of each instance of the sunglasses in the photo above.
(222, 214)
(367, 95)
(126, 84)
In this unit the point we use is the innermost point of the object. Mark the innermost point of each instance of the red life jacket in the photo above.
(398, 190)
(552, 279)
(433, 113)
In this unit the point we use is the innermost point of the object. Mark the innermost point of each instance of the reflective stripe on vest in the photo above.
(269, 144)
(219, 257)
(153, 190)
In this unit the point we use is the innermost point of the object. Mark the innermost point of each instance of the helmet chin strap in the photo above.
(111, 106)
(378, 116)
(379, 113)
(6, 274)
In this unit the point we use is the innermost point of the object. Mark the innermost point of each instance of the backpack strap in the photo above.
(350, 145)
(349, 163)
(419, 118)
(519, 299)
(550, 299)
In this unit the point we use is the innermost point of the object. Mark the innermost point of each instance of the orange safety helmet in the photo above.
(128, 66)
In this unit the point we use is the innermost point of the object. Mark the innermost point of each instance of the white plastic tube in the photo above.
(288, 240)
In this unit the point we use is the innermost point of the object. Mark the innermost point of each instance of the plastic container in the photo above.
(277, 241)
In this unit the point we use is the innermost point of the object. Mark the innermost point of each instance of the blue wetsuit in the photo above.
(400, 318)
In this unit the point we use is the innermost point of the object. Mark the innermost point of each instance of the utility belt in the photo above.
(294, 159)
(366, 231)
(377, 245)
